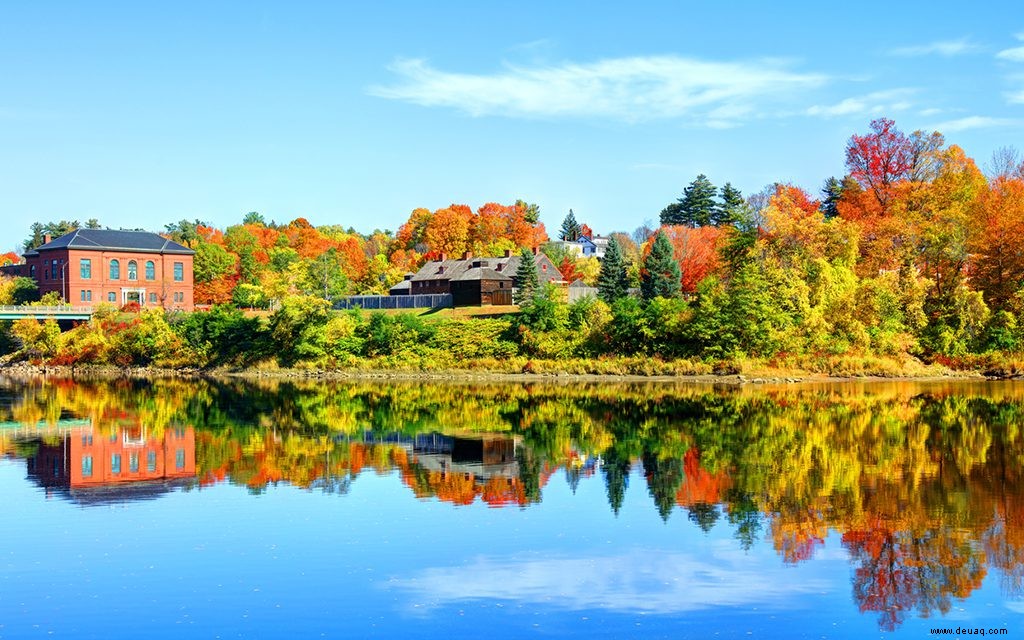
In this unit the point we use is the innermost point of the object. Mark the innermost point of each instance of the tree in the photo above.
(660, 275)
(880, 159)
(52, 229)
(185, 232)
(730, 210)
(612, 280)
(212, 262)
(531, 212)
(697, 206)
(254, 217)
(526, 278)
(324, 276)
(570, 231)
(831, 193)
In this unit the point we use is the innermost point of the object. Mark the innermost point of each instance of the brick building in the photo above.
(90, 266)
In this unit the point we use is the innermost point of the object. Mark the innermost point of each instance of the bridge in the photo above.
(58, 312)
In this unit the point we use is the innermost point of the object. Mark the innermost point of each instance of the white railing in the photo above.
(30, 309)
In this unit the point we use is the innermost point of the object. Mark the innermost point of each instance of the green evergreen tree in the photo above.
(571, 229)
(612, 280)
(831, 192)
(526, 278)
(531, 212)
(731, 209)
(696, 208)
(660, 275)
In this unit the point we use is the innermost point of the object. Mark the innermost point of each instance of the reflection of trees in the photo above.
(923, 482)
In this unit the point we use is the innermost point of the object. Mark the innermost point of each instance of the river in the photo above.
(240, 509)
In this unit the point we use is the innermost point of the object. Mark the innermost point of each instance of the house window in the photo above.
(46, 274)
(86, 441)
(86, 466)
(88, 296)
(83, 295)
(53, 268)
(133, 463)
(151, 461)
(543, 267)
(112, 297)
(179, 271)
(85, 268)
(115, 463)
(115, 270)
(152, 298)
(179, 458)
(32, 271)
(150, 270)
(133, 270)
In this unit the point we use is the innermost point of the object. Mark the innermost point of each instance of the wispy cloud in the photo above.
(1013, 54)
(632, 582)
(974, 122)
(1015, 97)
(946, 48)
(876, 103)
(630, 89)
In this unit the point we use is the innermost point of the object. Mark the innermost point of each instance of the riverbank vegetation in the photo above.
(911, 264)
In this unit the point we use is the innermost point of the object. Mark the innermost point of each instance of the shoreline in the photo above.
(23, 370)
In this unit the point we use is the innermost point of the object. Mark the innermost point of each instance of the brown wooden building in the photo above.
(90, 266)
(479, 281)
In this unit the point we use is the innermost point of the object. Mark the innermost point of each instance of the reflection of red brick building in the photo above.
(90, 266)
(85, 458)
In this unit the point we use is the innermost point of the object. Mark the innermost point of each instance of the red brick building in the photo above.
(90, 266)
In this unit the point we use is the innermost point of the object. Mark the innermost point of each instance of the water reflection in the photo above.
(920, 482)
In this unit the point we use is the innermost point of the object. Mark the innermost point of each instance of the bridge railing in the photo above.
(41, 310)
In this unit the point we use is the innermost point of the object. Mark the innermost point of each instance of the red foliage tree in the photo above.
(880, 159)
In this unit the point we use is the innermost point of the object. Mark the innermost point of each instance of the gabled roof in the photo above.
(482, 273)
(114, 240)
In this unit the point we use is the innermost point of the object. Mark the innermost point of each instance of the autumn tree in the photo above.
(660, 276)
(880, 159)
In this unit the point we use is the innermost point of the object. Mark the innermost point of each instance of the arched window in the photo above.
(133, 270)
(150, 270)
(115, 269)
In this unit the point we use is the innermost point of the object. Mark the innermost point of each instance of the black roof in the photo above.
(116, 240)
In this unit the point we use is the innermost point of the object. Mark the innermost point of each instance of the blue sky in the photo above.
(356, 113)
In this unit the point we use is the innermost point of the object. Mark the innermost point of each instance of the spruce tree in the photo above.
(831, 192)
(697, 206)
(526, 278)
(699, 201)
(570, 231)
(660, 275)
(612, 280)
(731, 208)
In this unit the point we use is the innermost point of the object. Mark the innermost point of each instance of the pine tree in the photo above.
(831, 192)
(526, 278)
(660, 275)
(730, 211)
(531, 212)
(612, 280)
(570, 231)
(697, 206)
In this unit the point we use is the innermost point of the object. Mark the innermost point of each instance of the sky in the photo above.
(354, 113)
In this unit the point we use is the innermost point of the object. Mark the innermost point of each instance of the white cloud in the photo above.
(973, 122)
(633, 582)
(947, 48)
(932, 111)
(1015, 97)
(877, 103)
(1016, 54)
(629, 89)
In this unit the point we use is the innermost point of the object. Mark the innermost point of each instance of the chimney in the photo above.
(500, 266)
(46, 238)
(536, 250)
(508, 253)
(409, 276)
(444, 256)
(466, 255)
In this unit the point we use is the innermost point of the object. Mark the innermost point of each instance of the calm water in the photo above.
(227, 509)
